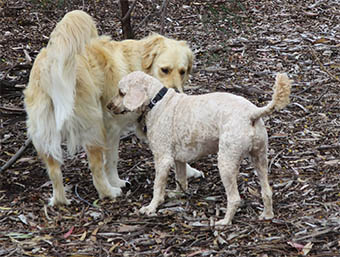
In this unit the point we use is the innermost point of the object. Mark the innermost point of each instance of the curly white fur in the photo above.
(182, 128)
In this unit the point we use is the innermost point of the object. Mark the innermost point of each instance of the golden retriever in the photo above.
(70, 84)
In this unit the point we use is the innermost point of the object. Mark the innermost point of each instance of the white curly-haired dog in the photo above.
(182, 128)
(72, 80)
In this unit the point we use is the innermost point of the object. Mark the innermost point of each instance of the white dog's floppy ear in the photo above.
(135, 97)
(151, 50)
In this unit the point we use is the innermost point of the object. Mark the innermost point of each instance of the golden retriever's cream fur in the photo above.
(70, 84)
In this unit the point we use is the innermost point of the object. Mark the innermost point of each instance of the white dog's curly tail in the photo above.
(67, 40)
(280, 97)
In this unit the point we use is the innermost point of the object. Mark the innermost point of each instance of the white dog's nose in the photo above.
(115, 109)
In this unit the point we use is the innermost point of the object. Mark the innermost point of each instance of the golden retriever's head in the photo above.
(168, 60)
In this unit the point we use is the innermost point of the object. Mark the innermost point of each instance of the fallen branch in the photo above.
(163, 14)
(24, 147)
(328, 147)
(17, 155)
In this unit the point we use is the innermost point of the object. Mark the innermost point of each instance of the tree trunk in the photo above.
(126, 15)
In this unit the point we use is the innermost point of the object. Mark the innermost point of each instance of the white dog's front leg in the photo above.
(162, 171)
(192, 172)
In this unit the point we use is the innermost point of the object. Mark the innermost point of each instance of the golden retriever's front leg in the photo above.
(54, 172)
(113, 129)
(162, 166)
(100, 181)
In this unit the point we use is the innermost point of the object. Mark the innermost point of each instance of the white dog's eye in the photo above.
(121, 93)
(165, 70)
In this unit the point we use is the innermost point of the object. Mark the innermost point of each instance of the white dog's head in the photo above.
(135, 90)
(168, 60)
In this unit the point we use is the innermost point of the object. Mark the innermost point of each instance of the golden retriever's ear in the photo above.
(189, 54)
(135, 97)
(190, 59)
(152, 48)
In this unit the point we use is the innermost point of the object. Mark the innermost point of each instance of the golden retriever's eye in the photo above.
(165, 70)
(182, 72)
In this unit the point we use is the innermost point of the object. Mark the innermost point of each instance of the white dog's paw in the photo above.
(111, 192)
(148, 210)
(192, 172)
(223, 222)
(266, 216)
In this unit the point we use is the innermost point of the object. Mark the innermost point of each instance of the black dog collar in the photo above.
(158, 97)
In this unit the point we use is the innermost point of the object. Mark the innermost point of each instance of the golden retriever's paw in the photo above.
(54, 201)
(119, 183)
(223, 222)
(266, 216)
(111, 192)
(192, 172)
(148, 210)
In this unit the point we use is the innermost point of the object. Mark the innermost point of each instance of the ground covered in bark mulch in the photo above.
(239, 47)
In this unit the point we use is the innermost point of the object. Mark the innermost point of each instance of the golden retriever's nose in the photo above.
(179, 89)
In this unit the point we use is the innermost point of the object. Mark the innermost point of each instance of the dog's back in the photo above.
(49, 97)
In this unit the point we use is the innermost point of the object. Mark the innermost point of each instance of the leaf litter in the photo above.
(238, 46)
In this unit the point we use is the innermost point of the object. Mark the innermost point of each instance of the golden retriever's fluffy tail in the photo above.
(280, 97)
(67, 40)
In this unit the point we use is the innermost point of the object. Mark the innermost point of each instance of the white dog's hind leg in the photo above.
(181, 180)
(162, 166)
(54, 172)
(181, 176)
(192, 172)
(260, 161)
(228, 166)
(100, 181)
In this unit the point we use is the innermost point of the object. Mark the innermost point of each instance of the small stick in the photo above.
(321, 65)
(164, 5)
(17, 155)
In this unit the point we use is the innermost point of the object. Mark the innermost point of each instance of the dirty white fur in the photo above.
(72, 80)
(182, 128)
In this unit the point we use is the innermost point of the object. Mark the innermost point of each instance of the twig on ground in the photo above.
(182, 189)
(328, 147)
(163, 10)
(24, 147)
(17, 155)
(321, 65)
(82, 199)
(272, 161)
